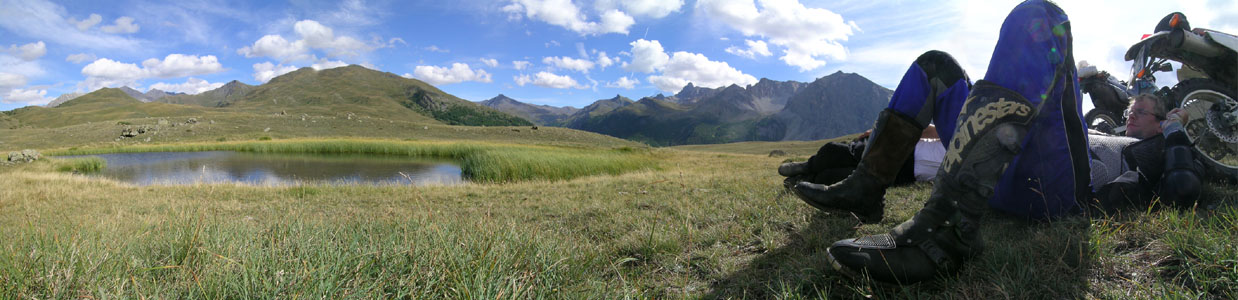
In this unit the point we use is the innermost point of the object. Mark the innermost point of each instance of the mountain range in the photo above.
(342, 92)
(769, 110)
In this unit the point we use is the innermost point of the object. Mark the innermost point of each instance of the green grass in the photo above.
(703, 224)
(80, 164)
(482, 162)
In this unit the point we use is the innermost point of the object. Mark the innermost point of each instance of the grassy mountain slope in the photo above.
(106, 104)
(361, 91)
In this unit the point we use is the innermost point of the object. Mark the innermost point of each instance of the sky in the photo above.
(552, 52)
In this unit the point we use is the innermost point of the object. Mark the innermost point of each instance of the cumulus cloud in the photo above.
(604, 61)
(490, 62)
(122, 25)
(264, 71)
(80, 58)
(29, 97)
(459, 72)
(313, 36)
(581, 65)
(624, 83)
(807, 35)
(655, 9)
(180, 65)
(754, 48)
(549, 80)
(685, 67)
(434, 48)
(109, 73)
(10, 80)
(647, 56)
(564, 13)
(192, 86)
(520, 64)
(83, 25)
(29, 52)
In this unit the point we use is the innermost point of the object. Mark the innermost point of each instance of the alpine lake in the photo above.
(274, 169)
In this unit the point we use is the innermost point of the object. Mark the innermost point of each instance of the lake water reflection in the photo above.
(175, 168)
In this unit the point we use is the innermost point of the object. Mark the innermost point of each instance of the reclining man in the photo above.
(1015, 142)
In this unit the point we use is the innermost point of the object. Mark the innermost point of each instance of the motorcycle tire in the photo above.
(1104, 121)
(1196, 96)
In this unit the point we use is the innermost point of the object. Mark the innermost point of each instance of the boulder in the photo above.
(27, 155)
(777, 153)
(128, 132)
(192, 121)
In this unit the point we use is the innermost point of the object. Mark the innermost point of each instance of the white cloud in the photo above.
(318, 36)
(549, 80)
(624, 83)
(277, 47)
(10, 80)
(29, 97)
(109, 73)
(687, 67)
(655, 9)
(180, 65)
(29, 52)
(192, 86)
(647, 56)
(83, 25)
(564, 13)
(122, 25)
(433, 48)
(807, 35)
(458, 72)
(40, 19)
(520, 64)
(490, 62)
(313, 36)
(80, 58)
(264, 71)
(581, 65)
(324, 64)
(754, 48)
(605, 61)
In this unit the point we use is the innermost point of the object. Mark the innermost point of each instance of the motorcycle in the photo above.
(1208, 82)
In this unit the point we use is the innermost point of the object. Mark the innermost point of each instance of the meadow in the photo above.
(554, 222)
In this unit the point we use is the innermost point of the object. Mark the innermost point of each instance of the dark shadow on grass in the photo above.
(1022, 260)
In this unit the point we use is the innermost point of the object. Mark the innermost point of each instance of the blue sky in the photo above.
(555, 52)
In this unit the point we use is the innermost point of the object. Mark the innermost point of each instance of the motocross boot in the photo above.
(861, 193)
(792, 168)
(945, 233)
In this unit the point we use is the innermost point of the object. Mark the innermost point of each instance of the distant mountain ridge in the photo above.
(341, 92)
(538, 114)
(769, 110)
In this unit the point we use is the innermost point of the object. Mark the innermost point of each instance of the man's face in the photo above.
(1140, 123)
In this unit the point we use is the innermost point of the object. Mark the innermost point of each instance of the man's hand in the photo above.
(1178, 115)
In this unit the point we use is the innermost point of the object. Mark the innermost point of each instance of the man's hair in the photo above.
(1158, 104)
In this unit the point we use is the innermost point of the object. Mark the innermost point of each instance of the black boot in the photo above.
(792, 168)
(945, 233)
(891, 143)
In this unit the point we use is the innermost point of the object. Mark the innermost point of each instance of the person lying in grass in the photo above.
(1126, 171)
(1016, 142)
